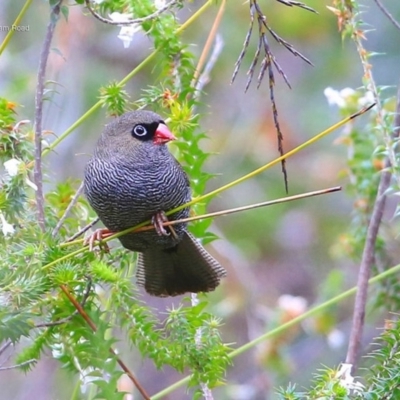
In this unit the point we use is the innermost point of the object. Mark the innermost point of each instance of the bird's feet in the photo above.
(158, 222)
(98, 235)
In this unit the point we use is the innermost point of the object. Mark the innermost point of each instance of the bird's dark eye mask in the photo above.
(145, 131)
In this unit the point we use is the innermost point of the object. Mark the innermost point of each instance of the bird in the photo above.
(131, 178)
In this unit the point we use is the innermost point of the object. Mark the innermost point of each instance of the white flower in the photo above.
(347, 381)
(11, 166)
(333, 97)
(337, 98)
(159, 4)
(127, 31)
(5, 226)
(347, 92)
(119, 17)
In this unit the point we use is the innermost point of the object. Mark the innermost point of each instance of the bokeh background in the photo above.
(280, 259)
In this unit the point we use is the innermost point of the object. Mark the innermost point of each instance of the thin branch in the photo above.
(245, 45)
(18, 365)
(268, 63)
(83, 230)
(387, 13)
(131, 21)
(244, 208)
(291, 3)
(68, 209)
(66, 319)
(93, 326)
(212, 37)
(205, 75)
(5, 346)
(38, 177)
(149, 226)
(257, 13)
(367, 259)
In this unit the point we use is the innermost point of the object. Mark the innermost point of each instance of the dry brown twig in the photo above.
(269, 62)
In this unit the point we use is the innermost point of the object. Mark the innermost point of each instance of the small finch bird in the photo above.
(131, 178)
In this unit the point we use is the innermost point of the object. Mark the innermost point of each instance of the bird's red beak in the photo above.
(163, 135)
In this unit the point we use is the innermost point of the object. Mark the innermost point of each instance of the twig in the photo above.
(367, 259)
(18, 365)
(5, 346)
(68, 209)
(38, 177)
(204, 78)
(291, 3)
(66, 319)
(244, 208)
(256, 12)
(212, 37)
(131, 21)
(268, 63)
(83, 230)
(148, 227)
(92, 325)
(387, 13)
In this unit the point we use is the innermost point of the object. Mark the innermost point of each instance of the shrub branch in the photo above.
(368, 256)
(38, 176)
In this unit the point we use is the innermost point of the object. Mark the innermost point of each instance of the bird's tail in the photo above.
(186, 267)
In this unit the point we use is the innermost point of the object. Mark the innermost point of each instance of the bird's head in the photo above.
(133, 129)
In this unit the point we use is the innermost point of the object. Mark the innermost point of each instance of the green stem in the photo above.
(16, 22)
(282, 328)
(63, 258)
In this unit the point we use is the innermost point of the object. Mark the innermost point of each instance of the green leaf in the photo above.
(14, 325)
(65, 11)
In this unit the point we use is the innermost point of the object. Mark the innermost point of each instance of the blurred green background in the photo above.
(272, 254)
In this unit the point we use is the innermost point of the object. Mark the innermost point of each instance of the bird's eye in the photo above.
(139, 130)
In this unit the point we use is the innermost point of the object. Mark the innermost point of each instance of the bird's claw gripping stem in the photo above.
(158, 221)
(98, 235)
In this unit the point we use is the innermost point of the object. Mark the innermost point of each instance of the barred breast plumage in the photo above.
(131, 178)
